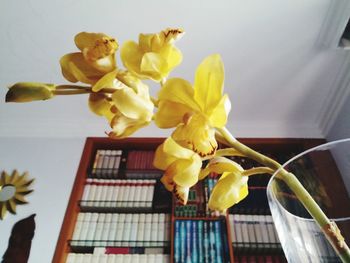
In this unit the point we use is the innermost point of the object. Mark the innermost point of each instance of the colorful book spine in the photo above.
(200, 241)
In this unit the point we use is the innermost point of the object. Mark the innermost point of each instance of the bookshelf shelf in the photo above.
(108, 186)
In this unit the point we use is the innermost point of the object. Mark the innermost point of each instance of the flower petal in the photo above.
(154, 66)
(131, 56)
(181, 193)
(85, 39)
(124, 127)
(174, 149)
(131, 105)
(172, 56)
(101, 105)
(208, 83)
(178, 90)
(170, 114)
(105, 64)
(197, 136)
(229, 190)
(218, 117)
(75, 68)
(107, 81)
(168, 152)
(172, 34)
(221, 165)
(95, 45)
(168, 182)
(186, 171)
(145, 42)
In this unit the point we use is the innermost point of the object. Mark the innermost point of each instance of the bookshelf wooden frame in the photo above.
(93, 143)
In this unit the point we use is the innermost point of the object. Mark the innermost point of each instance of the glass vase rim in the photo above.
(319, 147)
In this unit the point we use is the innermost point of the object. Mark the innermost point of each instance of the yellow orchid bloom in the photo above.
(229, 190)
(95, 59)
(197, 110)
(232, 186)
(181, 166)
(154, 56)
(128, 108)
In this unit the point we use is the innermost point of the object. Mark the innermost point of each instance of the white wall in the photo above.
(278, 75)
(341, 130)
(53, 164)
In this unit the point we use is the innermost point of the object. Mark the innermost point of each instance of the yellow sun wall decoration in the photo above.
(13, 189)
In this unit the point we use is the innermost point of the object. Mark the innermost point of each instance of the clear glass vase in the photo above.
(322, 171)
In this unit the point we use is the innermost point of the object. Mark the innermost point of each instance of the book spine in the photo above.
(77, 229)
(85, 229)
(177, 240)
(113, 229)
(91, 229)
(134, 229)
(194, 240)
(141, 229)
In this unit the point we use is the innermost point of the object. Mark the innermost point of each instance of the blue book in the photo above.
(218, 242)
(182, 241)
(177, 242)
(194, 241)
(200, 242)
(212, 250)
(224, 240)
(206, 242)
(188, 241)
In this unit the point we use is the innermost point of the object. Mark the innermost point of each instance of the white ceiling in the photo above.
(282, 80)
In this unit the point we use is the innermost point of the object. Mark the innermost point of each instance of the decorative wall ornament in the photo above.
(13, 189)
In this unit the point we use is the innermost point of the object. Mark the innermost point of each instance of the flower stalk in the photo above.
(328, 227)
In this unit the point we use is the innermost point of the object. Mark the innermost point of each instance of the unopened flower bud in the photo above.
(29, 91)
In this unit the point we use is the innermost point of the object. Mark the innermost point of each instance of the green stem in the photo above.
(329, 228)
(71, 92)
(72, 87)
(228, 152)
(74, 90)
(248, 152)
(258, 170)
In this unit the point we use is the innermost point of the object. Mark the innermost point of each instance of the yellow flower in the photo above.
(232, 186)
(195, 111)
(128, 108)
(181, 165)
(95, 59)
(154, 56)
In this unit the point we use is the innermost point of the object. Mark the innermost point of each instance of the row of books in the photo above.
(201, 241)
(259, 259)
(137, 164)
(118, 193)
(253, 233)
(197, 205)
(142, 160)
(119, 258)
(106, 163)
(120, 230)
(140, 165)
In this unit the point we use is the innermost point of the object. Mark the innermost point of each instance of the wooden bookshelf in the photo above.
(281, 149)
